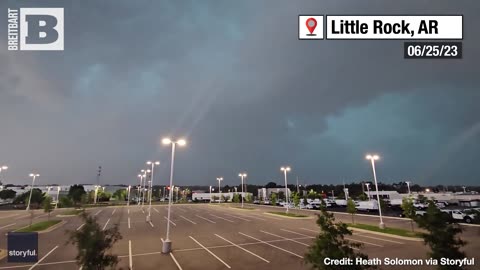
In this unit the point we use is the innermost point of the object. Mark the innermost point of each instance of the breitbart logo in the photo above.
(35, 29)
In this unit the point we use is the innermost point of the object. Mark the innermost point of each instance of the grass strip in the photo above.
(387, 230)
(288, 214)
(40, 226)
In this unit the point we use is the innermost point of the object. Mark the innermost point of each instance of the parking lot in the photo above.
(205, 237)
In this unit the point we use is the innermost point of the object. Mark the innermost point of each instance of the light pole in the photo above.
(242, 175)
(408, 186)
(151, 188)
(167, 244)
(285, 170)
(128, 195)
(210, 190)
(2, 168)
(368, 190)
(144, 176)
(219, 190)
(58, 196)
(96, 194)
(372, 158)
(31, 189)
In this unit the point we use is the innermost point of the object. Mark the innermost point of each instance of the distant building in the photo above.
(264, 193)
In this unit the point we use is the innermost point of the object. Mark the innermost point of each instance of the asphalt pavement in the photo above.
(211, 236)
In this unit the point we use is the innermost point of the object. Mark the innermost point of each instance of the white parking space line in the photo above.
(310, 230)
(114, 211)
(43, 258)
(381, 239)
(40, 216)
(175, 260)
(14, 215)
(231, 221)
(130, 262)
(295, 241)
(98, 212)
(151, 224)
(6, 226)
(156, 210)
(173, 223)
(211, 221)
(79, 227)
(129, 222)
(128, 211)
(237, 217)
(211, 253)
(266, 243)
(272, 217)
(106, 225)
(248, 251)
(188, 220)
(255, 217)
(318, 232)
(181, 209)
(20, 217)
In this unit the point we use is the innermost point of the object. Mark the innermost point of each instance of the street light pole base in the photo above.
(381, 225)
(167, 246)
(148, 219)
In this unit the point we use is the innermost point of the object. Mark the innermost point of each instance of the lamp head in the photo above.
(4, 167)
(166, 141)
(181, 142)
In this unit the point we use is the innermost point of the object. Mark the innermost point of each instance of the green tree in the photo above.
(271, 185)
(236, 198)
(331, 243)
(47, 206)
(93, 244)
(248, 198)
(312, 194)
(65, 202)
(383, 205)
(281, 196)
(35, 202)
(422, 199)
(351, 209)
(363, 197)
(441, 237)
(409, 210)
(273, 198)
(296, 199)
(120, 194)
(7, 194)
(75, 193)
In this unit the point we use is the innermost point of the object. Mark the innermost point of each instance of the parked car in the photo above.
(459, 215)
(266, 202)
(256, 201)
(367, 205)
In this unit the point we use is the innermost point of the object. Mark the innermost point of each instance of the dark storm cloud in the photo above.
(235, 80)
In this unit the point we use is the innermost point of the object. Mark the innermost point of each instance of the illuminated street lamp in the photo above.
(372, 158)
(368, 190)
(167, 244)
(285, 170)
(2, 168)
(151, 187)
(128, 195)
(58, 196)
(241, 175)
(408, 186)
(31, 189)
(219, 190)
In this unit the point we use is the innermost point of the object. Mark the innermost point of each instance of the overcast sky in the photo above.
(233, 79)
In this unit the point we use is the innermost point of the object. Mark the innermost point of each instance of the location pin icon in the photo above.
(311, 24)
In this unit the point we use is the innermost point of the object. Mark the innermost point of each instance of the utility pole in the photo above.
(99, 173)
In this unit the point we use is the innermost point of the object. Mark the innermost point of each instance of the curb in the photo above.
(387, 235)
(276, 215)
(63, 222)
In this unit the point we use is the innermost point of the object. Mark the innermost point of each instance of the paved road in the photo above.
(209, 237)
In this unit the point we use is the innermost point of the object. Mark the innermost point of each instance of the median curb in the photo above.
(244, 209)
(61, 223)
(387, 235)
(282, 216)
